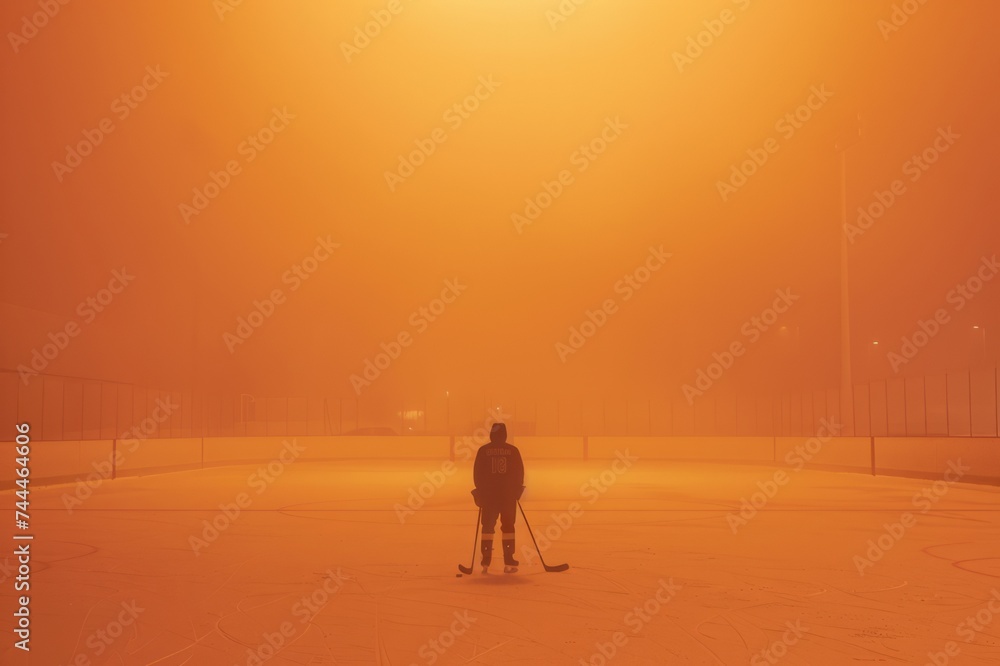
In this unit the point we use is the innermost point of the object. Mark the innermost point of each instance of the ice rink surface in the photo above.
(323, 566)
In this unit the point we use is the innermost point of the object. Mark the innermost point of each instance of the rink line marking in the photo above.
(428, 510)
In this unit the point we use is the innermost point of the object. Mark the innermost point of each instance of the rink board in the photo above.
(746, 449)
(849, 454)
(550, 448)
(58, 462)
(151, 456)
(72, 460)
(931, 457)
(262, 449)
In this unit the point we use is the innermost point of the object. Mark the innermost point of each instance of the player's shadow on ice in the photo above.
(497, 579)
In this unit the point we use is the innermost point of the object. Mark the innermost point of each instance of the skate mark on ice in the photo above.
(381, 654)
(890, 588)
(306, 514)
(476, 654)
(995, 560)
(90, 550)
(739, 633)
(496, 579)
(228, 578)
(594, 572)
(985, 547)
(719, 660)
(191, 644)
(183, 649)
(861, 595)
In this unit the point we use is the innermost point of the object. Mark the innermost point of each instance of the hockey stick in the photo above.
(468, 570)
(558, 567)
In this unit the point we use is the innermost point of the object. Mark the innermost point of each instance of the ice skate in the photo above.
(486, 548)
(509, 563)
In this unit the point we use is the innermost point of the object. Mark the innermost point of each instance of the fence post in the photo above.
(947, 406)
(970, 402)
(715, 415)
(906, 413)
(736, 413)
(886, 393)
(871, 427)
(926, 431)
(756, 416)
(100, 408)
(672, 430)
(854, 414)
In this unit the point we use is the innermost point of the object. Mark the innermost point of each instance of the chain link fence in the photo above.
(956, 404)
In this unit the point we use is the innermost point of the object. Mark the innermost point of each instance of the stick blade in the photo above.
(465, 570)
(557, 567)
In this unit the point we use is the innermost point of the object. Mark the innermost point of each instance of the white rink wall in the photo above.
(923, 457)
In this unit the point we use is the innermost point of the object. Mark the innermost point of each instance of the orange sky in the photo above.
(341, 119)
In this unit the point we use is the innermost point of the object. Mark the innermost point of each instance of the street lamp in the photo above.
(981, 330)
(872, 349)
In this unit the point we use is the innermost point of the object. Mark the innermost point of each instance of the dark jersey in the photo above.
(498, 468)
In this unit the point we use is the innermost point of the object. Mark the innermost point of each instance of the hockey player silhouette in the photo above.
(499, 477)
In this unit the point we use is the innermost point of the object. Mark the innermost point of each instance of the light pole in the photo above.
(846, 388)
